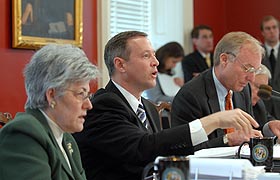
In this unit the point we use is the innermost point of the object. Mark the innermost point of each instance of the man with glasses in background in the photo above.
(237, 58)
(270, 32)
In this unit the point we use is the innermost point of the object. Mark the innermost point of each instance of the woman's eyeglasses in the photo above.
(81, 95)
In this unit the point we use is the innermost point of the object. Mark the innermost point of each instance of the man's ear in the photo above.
(119, 64)
(223, 58)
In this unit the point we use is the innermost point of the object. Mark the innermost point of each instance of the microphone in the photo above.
(265, 92)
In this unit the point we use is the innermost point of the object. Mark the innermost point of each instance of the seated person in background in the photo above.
(267, 122)
(271, 34)
(166, 86)
(37, 144)
(202, 58)
(116, 143)
(237, 57)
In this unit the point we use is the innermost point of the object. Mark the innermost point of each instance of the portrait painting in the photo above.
(39, 22)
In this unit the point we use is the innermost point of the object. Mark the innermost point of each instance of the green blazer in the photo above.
(28, 150)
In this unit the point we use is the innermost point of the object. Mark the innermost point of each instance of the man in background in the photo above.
(270, 32)
(202, 58)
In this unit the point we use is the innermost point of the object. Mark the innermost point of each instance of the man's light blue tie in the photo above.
(142, 115)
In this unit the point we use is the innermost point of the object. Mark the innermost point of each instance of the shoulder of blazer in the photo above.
(111, 97)
(192, 56)
(205, 77)
(247, 91)
(34, 118)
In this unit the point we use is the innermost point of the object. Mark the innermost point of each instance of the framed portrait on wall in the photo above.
(36, 23)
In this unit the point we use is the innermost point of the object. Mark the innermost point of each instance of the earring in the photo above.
(52, 105)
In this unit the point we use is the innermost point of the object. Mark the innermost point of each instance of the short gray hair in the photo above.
(55, 66)
(264, 70)
(233, 41)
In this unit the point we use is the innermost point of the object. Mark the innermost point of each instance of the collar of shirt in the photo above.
(221, 91)
(268, 49)
(204, 54)
(132, 100)
(56, 130)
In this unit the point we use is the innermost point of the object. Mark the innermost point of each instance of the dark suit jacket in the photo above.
(194, 63)
(29, 151)
(115, 145)
(273, 104)
(198, 98)
(261, 115)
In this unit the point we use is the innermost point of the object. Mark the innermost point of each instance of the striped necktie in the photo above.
(142, 115)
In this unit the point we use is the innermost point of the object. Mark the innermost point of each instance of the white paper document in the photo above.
(216, 152)
(167, 84)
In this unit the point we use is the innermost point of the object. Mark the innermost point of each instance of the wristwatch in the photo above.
(225, 139)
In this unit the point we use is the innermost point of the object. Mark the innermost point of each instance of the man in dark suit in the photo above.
(270, 32)
(117, 143)
(236, 59)
(202, 58)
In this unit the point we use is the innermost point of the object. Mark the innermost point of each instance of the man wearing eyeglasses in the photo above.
(270, 32)
(237, 57)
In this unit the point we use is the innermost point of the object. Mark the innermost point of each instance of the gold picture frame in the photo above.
(36, 23)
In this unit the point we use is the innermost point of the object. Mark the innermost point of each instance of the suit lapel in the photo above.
(67, 145)
(276, 81)
(153, 122)
(64, 162)
(238, 100)
(110, 87)
(200, 60)
(43, 121)
(211, 93)
(265, 60)
(213, 101)
(118, 95)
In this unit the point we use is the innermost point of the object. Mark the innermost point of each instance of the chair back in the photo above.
(5, 118)
(164, 110)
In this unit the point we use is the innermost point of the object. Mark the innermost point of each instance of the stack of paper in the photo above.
(221, 168)
(216, 152)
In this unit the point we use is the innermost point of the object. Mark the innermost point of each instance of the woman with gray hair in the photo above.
(37, 144)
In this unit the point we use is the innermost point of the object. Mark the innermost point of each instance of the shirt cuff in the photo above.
(198, 134)
(267, 131)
